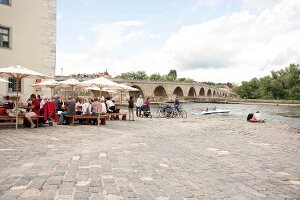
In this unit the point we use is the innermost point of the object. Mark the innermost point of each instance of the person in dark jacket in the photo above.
(130, 108)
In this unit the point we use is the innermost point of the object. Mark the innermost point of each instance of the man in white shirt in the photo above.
(139, 103)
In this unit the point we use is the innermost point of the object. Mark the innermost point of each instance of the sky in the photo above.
(206, 40)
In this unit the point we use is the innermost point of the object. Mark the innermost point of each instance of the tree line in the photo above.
(141, 75)
(281, 84)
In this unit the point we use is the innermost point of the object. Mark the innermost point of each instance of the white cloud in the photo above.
(155, 35)
(242, 40)
(229, 48)
(117, 25)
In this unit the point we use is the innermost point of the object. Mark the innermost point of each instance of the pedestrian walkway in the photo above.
(193, 158)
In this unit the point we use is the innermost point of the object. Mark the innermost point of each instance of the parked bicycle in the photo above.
(170, 112)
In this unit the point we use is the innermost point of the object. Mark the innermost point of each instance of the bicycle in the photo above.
(162, 111)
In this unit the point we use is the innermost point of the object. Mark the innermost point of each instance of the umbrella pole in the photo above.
(17, 101)
(99, 112)
(121, 100)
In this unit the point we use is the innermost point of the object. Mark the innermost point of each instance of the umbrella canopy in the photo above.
(100, 82)
(125, 88)
(3, 80)
(69, 83)
(103, 90)
(50, 83)
(47, 83)
(19, 73)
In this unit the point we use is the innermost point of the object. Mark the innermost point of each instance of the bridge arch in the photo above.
(178, 91)
(160, 92)
(214, 93)
(208, 93)
(202, 92)
(136, 94)
(192, 92)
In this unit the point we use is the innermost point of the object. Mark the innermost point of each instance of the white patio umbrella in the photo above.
(69, 83)
(103, 90)
(3, 80)
(124, 88)
(50, 83)
(19, 73)
(100, 83)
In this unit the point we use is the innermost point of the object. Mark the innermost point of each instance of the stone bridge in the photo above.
(168, 90)
(164, 90)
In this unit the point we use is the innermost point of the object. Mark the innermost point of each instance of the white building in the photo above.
(27, 38)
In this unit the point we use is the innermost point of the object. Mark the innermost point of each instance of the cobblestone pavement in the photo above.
(193, 158)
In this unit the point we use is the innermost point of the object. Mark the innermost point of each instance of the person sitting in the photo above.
(7, 102)
(57, 103)
(104, 110)
(250, 116)
(34, 106)
(96, 109)
(86, 107)
(78, 106)
(256, 117)
(111, 107)
(70, 110)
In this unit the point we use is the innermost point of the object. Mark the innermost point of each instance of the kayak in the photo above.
(218, 111)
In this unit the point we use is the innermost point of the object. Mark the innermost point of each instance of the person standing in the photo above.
(130, 108)
(176, 103)
(139, 104)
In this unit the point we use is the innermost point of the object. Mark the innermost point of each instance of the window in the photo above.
(4, 37)
(4, 2)
(13, 85)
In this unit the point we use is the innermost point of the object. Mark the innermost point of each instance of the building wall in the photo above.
(32, 26)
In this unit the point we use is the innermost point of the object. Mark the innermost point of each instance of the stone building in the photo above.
(28, 39)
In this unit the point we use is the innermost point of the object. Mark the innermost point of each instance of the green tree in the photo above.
(155, 77)
(172, 75)
(282, 84)
(141, 75)
(127, 75)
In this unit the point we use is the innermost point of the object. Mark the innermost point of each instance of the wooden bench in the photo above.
(101, 119)
(20, 117)
(123, 115)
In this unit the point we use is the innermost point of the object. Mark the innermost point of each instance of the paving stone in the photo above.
(66, 191)
(194, 158)
(97, 196)
(96, 189)
(48, 194)
(81, 195)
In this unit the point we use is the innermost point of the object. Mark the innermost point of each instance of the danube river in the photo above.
(288, 114)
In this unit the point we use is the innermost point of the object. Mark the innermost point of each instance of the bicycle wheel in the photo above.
(157, 114)
(175, 114)
(182, 114)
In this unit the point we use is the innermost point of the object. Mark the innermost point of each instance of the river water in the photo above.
(272, 113)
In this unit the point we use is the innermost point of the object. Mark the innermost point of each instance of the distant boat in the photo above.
(217, 111)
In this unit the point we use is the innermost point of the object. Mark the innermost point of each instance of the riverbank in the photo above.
(240, 101)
